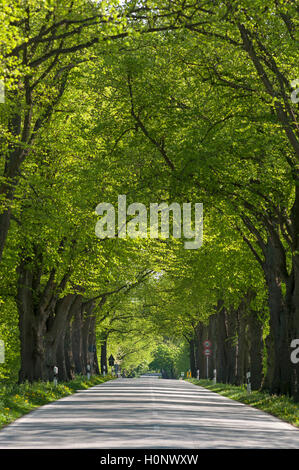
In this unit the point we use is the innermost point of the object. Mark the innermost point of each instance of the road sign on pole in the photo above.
(207, 351)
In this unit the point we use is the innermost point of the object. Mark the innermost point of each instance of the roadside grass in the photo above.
(19, 399)
(281, 406)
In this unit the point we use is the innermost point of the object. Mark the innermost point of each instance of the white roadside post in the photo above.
(248, 382)
(207, 353)
(88, 371)
(55, 369)
(2, 352)
(197, 374)
(214, 376)
(104, 371)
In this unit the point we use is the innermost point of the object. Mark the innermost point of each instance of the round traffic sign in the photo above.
(207, 344)
(207, 352)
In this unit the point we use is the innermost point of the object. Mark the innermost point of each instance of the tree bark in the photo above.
(11, 172)
(293, 291)
(94, 365)
(64, 359)
(104, 364)
(42, 320)
(231, 346)
(68, 350)
(279, 373)
(242, 363)
(212, 337)
(221, 337)
(31, 330)
(55, 333)
(77, 342)
(86, 329)
(198, 349)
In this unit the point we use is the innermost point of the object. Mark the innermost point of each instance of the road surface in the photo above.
(148, 413)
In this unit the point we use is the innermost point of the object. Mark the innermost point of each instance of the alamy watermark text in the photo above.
(155, 226)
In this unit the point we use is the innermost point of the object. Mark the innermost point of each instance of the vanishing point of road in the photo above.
(148, 413)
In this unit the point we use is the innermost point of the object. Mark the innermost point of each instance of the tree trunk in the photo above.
(256, 350)
(42, 321)
(200, 333)
(293, 290)
(68, 351)
(11, 173)
(104, 365)
(294, 327)
(94, 365)
(31, 331)
(86, 328)
(221, 335)
(241, 346)
(231, 346)
(77, 343)
(64, 359)
(55, 333)
(60, 361)
(212, 337)
(279, 373)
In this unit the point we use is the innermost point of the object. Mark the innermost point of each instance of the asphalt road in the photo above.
(148, 413)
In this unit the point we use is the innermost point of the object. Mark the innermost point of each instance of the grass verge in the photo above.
(19, 399)
(281, 406)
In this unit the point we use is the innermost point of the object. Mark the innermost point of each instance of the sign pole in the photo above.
(207, 352)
